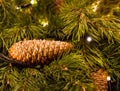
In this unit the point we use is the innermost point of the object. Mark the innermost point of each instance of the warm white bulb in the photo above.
(89, 39)
(108, 78)
(32, 1)
(44, 24)
(17, 7)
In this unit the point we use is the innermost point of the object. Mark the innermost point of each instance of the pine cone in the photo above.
(100, 80)
(33, 52)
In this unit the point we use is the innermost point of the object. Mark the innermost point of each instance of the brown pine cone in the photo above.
(38, 51)
(100, 80)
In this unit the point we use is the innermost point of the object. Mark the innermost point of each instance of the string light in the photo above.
(109, 83)
(89, 39)
(17, 7)
(33, 2)
(44, 23)
(108, 78)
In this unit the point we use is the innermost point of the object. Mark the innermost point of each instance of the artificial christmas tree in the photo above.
(91, 26)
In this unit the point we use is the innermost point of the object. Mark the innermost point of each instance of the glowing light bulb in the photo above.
(89, 39)
(33, 2)
(44, 23)
(108, 78)
(17, 7)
